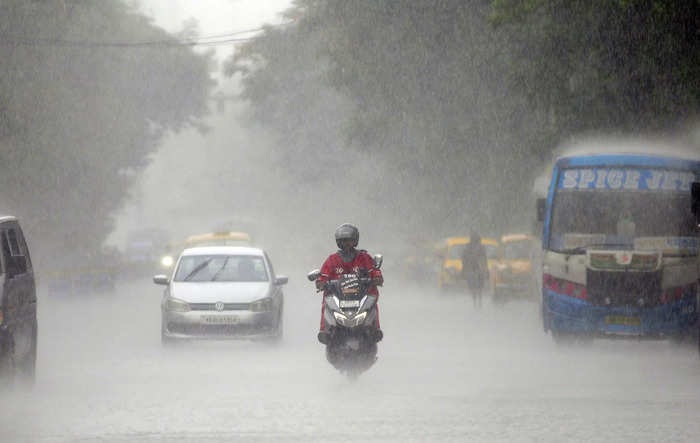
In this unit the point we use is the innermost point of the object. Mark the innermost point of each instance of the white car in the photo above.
(222, 292)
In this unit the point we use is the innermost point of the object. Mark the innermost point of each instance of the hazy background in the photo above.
(414, 120)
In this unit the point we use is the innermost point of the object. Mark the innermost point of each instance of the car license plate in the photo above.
(349, 303)
(220, 319)
(622, 320)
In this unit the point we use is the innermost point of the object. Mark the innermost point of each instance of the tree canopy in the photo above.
(80, 113)
(460, 103)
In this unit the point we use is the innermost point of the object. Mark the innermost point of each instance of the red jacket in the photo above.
(334, 267)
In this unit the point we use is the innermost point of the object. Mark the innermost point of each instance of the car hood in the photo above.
(212, 292)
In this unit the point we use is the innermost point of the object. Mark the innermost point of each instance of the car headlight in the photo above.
(263, 305)
(166, 261)
(175, 305)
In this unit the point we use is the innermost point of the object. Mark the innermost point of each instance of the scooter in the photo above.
(350, 317)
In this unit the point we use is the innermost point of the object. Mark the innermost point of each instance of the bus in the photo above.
(619, 247)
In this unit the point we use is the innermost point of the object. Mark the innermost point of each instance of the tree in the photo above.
(460, 102)
(78, 118)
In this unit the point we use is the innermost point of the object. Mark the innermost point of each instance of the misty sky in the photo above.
(158, 193)
(215, 16)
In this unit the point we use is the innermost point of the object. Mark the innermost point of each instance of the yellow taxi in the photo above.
(450, 252)
(513, 274)
(223, 238)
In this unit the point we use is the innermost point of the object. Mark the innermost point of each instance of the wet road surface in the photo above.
(446, 372)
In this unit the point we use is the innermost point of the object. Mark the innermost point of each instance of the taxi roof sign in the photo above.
(218, 237)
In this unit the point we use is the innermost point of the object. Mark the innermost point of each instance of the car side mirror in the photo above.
(378, 259)
(281, 280)
(313, 275)
(16, 265)
(695, 199)
(541, 209)
(161, 280)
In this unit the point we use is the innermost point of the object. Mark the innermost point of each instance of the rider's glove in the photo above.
(320, 284)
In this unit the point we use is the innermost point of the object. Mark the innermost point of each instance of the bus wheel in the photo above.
(572, 339)
(562, 338)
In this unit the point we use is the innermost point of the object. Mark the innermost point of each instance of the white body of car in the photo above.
(219, 292)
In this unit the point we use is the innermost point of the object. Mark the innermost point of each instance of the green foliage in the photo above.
(463, 102)
(77, 122)
(611, 65)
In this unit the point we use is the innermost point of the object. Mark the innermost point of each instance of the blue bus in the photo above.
(619, 247)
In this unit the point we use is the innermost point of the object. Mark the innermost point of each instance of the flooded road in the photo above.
(445, 372)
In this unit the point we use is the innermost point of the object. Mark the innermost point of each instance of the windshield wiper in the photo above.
(197, 268)
(216, 274)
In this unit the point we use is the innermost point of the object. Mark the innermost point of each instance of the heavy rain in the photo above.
(521, 178)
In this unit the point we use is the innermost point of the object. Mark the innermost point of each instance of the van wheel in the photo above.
(166, 341)
(8, 366)
(27, 366)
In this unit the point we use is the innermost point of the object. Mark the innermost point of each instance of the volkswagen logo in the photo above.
(219, 306)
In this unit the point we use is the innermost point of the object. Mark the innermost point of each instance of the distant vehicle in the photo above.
(18, 304)
(619, 247)
(513, 275)
(144, 248)
(450, 252)
(222, 238)
(222, 292)
(418, 263)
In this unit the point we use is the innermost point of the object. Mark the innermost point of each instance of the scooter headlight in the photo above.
(350, 322)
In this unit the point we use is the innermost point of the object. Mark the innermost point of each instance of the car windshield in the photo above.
(516, 250)
(221, 268)
(583, 217)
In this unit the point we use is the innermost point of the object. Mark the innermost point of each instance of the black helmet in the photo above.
(345, 231)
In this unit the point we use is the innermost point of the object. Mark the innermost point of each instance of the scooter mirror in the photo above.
(377, 259)
(313, 275)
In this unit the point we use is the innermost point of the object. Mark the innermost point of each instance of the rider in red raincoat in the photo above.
(348, 260)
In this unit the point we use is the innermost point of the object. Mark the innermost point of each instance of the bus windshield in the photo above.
(618, 217)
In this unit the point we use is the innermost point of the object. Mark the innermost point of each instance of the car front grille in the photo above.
(624, 288)
(227, 306)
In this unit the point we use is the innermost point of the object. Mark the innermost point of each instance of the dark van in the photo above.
(18, 324)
